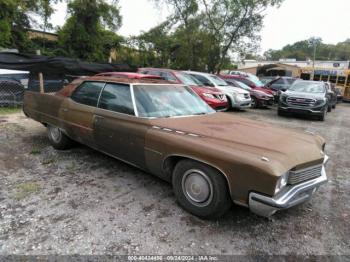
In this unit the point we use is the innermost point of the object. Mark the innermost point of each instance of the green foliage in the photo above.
(83, 34)
(303, 50)
(13, 20)
(203, 33)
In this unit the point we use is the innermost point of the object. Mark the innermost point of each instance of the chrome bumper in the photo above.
(294, 195)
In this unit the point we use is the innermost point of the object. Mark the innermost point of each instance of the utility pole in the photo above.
(314, 59)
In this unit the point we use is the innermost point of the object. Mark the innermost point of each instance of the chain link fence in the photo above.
(11, 93)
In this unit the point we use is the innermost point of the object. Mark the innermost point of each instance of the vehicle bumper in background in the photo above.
(265, 102)
(302, 110)
(218, 106)
(294, 195)
(241, 104)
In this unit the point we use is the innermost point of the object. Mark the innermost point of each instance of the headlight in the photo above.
(321, 101)
(283, 98)
(281, 183)
(208, 95)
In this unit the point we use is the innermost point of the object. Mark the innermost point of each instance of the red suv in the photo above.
(211, 95)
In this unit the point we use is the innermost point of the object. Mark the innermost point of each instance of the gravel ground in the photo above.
(83, 202)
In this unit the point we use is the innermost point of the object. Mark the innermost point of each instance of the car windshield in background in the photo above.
(290, 81)
(217, 80)
(308, 87)
(241, 85)
(257, 82)
(161, 101)
(186, 79)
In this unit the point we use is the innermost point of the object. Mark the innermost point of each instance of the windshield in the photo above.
(308, 87)
(217, 80)
(161, 101)
(187, 79)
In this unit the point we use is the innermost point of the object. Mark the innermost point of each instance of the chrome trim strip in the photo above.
(133, 100)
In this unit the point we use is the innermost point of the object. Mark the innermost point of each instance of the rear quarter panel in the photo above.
(44, 108)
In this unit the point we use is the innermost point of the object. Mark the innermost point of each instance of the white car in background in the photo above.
(238, 98)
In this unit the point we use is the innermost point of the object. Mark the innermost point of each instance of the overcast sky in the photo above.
(295, 20)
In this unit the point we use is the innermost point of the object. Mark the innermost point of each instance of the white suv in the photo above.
(237, 97)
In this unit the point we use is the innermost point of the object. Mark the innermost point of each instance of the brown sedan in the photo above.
(212, 159)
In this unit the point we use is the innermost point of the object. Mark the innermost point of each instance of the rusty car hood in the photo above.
(244, 138)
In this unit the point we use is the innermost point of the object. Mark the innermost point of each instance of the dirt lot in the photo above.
(83, 202)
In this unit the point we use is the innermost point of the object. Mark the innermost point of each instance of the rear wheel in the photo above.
(201, 189)
(58, 139)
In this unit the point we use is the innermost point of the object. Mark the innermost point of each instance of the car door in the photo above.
(78, 112)
(117, 131)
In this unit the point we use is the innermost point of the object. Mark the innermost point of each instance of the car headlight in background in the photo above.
(209, 95)
(282, 182)
(283, 98)
(321, 101)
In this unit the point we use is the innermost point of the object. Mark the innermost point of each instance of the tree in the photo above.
(303, 50)
(14, 19)
(82, 36)
(235, 23)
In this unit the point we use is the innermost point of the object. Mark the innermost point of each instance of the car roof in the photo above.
(69, 89)
(197, 73)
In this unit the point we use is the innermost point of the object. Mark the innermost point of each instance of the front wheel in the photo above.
(58, 139)
(201, 189)
(323, 116)
(254, 102)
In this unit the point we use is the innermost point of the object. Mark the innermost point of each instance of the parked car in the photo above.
(281, 83)
(306, 97)
(211, 95)
(11, 92)
(333, 97)
(259, 98)
(255, 84)
(339, 93)
(238, 98)
(210, 158)
(266, 79)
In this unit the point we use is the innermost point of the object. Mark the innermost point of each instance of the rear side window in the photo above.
(201, 79)
(88, 93)
(117, 98)
(168, 76)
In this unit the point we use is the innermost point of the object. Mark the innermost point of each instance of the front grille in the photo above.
(296, 101)
(298, 176)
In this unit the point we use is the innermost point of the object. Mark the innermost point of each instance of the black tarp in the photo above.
(57, 71)
(57, 65)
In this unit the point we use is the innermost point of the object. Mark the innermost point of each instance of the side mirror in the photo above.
(208, 84)
(283, 89)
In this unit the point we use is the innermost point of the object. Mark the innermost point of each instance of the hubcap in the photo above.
(55, 134)
(197, 187)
